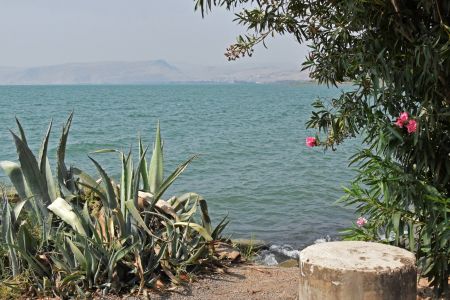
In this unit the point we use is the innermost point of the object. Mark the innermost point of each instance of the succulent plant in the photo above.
(131, 239)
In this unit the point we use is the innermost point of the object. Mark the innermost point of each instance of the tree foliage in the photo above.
(397, 54)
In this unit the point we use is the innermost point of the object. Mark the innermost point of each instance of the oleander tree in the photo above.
(397, 55)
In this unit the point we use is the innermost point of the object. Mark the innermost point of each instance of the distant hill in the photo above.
(94, 73)
(143, 72)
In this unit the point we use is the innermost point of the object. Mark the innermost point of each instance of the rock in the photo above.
(224, 250)
(357, 270)
(290, 263)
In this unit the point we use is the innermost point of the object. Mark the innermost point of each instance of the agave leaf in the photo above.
(64, 250)
(8, 236)
(110, 195)
(18, 208)
(21, 131)
(143, 168)
(100, 192)
(135, 213)
(182, 249)
(123, 185)
(188, 215)
(13, 171)
(132, 181)
(205, 215)
(178, 202)
(169, 180)
(219, 228)
(72, 278)
(121, 221)
(89, 259)
(77, 253)
(65, 211)
(197, 255)
(200, 229)
(60, 265)
(64, 177)
(35, 181)
(25, 240)
(154, 261)
(133, 186)
(156, 169)
(44, 165)
(141, 164)
(117, 256)
(88, 180)
(33, 263)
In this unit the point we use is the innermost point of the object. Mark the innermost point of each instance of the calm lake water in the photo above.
(253, 162)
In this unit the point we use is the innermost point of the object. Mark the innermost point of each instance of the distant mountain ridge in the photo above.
(141, 72)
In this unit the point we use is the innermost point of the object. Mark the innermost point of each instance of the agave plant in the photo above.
(133, 237)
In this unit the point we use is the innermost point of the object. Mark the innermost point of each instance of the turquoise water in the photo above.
(253, 162)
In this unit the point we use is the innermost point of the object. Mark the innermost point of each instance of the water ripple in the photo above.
(253, 164)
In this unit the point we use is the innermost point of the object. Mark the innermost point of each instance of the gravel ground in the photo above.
(243, 282)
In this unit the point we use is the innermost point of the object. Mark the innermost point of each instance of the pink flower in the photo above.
(411, 126)
(399, 123)
(404, 117)
(361, 221)
(311, 141)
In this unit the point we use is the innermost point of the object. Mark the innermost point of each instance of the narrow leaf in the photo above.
(156, 169)
(110, 195)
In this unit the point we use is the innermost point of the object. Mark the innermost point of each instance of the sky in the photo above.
(49, 32)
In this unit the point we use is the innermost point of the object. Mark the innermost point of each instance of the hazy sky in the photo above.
(45, 32)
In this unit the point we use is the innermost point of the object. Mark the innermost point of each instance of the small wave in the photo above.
(277, 254)
(325, 239)
(270, 260)
(286, 250)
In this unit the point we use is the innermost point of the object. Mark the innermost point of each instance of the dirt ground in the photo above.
(241, 282)
(252, 282)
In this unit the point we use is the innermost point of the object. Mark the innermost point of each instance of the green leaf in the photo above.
(35, 181)
(8, 236)
(205, 215)
(110, 194)
(65, 211)
(156, 169)
(135, 213)
(396, 223)
(124, 185)
(412, 241)
(117, 256)
(34, 264)
(200, 229)
(14, 172)
(21, 131)
(25, 240)
(44, 165)
(77, 253)
(88, 180)
(169, 180)
(143, 168)
(64, 178)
